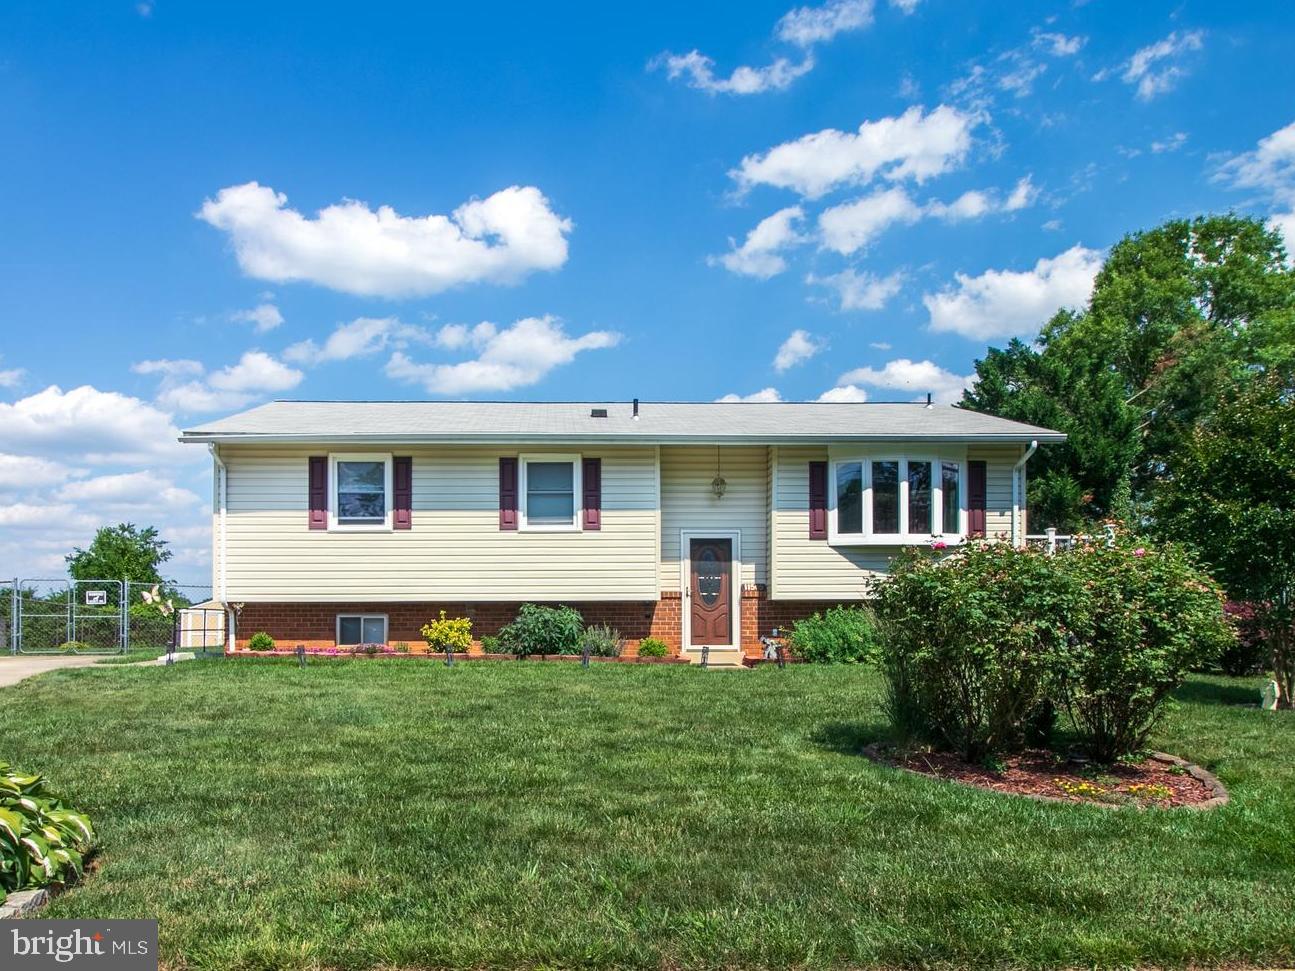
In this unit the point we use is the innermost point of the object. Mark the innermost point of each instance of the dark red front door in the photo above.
(711, 592)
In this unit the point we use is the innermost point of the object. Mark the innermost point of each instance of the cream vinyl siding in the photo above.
(455, 550)
(688, 503)
(805, 569)
(999, 460)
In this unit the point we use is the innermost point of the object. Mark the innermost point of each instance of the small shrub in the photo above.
(652, 647)
(42, 841)
(493, 645)
(966, 644)
(1148, 616)
(261, 641)
(841, 635)
(74, 647)
(543, 630)
(602, 641)
(401, 647)
(448, 634)
(368, 649)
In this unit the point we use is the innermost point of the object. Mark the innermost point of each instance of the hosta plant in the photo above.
(42, 841)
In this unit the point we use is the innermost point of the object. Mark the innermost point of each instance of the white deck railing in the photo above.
(1052, 541)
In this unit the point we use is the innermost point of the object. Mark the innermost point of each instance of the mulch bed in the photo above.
(1159, 781)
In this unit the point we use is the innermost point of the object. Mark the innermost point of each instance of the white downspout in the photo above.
(1017, 492)
(222, 491)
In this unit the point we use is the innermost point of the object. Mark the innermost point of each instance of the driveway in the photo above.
(14, 668)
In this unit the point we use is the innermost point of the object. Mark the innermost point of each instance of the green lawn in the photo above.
(399, 814)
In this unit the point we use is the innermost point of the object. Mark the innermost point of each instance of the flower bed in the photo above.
(1159, 781)
(338, 652)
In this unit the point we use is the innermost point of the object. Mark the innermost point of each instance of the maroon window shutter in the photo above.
(818, 500)
(976, 490)
(318, 488)
(508, 493)
(592, 486)
(402, 492)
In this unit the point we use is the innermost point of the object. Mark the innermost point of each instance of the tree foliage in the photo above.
(1230, 494)
(1180, 318)
(122, 552)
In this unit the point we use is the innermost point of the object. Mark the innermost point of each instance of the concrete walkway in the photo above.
(14, 668)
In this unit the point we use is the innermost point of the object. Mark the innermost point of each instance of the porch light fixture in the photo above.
(717, 485)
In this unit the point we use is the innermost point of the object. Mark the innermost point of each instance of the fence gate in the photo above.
(46, 616)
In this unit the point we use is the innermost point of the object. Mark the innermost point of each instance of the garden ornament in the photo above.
(1270, 695)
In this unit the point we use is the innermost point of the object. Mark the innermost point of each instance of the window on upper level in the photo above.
(550, 491)
(360, 489)
(893, 499)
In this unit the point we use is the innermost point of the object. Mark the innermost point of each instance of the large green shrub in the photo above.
(42, 841)
(966, 642)
(1145, 618)
(839, 635)
(543, 630)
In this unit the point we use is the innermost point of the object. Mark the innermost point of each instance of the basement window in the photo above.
(353, 629)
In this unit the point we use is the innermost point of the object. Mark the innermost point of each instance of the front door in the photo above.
(710, 591)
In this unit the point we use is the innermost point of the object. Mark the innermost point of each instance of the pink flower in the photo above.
(939, 544)
(1140, 551)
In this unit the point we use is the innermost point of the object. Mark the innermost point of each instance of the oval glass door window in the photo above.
(710, 576)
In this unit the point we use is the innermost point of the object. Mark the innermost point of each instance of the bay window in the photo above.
(896, 499)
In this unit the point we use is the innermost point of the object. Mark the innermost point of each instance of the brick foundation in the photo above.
(314, 624)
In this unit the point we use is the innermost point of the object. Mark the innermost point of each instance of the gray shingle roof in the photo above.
(658, 422)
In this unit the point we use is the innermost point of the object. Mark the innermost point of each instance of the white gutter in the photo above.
(1018, 493)
(222, 492)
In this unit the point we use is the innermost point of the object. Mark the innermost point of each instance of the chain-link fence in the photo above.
(60, 616)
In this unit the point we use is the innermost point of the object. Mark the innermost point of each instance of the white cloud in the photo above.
(12, 377)
(1148, 70)
(759, 255)
(456, 336)
(915, 377)
(970, 205)
(355, 249)
(515, 357)
(1001, 303)
(29, 472)
(255, 375)
(1059, 45)
(879, 346)
(1171, 144)
(851, 226)
(806, 26)
(904, 6)
(361, 337)
(844, 393)
(803, 27)
(913, 145)
(176, 368)
(143, 491)
(860, 291)
(264, 316)
(763, 396)
(1023, 194)
(1284, 223)
(87, 425)
(699, 72)
(1269, 168)
(799, 347)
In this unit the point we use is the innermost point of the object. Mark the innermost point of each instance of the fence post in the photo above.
(13, 620)
(1052, 539)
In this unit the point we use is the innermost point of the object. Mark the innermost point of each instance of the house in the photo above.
(700, 524)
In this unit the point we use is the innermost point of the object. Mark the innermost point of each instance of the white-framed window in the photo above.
(549, 492)
(355, 629)
(359, 491)
(895, 498)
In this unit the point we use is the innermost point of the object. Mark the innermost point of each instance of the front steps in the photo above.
(721, 658)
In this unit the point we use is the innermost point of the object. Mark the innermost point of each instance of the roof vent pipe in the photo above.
(636, 409)
(928, 399)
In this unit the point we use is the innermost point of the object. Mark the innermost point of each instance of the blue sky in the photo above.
(209, 205)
